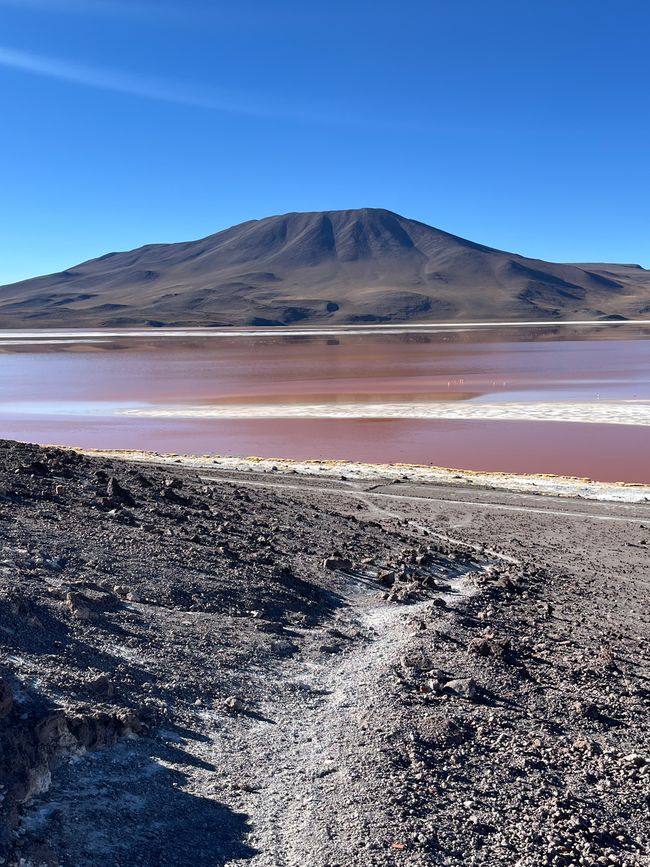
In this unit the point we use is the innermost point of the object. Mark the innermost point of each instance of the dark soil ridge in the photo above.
(195, 672)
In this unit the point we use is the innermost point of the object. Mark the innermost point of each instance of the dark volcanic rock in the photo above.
(192, 685)
(118, 494)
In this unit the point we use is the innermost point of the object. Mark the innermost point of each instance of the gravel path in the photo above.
(312, 742)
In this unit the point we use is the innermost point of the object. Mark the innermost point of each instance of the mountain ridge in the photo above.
(341, 267)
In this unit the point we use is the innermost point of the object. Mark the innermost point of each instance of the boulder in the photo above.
(337, 564)
(465, 687)
(117, 494)
(76, 604)
(282, 647)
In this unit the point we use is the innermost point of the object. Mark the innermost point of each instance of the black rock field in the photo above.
(201, 667)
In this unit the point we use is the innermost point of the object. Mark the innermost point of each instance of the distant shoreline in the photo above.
(41, 335)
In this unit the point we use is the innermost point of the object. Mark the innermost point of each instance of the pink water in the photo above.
(67, 396)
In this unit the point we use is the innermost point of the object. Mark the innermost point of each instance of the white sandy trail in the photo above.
(599, 412)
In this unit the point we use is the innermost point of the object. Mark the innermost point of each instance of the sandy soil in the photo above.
(208, 666)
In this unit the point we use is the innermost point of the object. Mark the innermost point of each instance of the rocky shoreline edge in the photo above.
(543, 484)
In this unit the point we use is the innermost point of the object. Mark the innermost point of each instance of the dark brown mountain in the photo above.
(359, 266)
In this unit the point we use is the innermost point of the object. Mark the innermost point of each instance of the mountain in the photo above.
(357, 266)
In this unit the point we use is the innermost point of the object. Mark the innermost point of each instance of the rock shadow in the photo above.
(136, 803)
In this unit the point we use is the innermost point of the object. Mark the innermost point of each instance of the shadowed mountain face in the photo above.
(337, 267)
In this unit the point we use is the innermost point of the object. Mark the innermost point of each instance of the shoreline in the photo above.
(540, 484)
(93, 334)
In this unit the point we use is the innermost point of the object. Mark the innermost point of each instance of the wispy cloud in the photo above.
(154, 88)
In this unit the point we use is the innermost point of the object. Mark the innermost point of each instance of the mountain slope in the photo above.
(367, 265)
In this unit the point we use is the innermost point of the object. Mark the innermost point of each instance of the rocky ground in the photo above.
(243, 668)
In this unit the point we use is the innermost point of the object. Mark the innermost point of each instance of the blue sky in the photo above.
(523, 125)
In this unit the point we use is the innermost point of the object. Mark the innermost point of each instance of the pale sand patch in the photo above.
(600, 412)
(550, 485)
